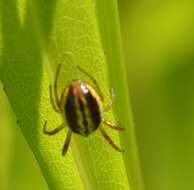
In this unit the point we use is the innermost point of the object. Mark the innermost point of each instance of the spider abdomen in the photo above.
(82, 108)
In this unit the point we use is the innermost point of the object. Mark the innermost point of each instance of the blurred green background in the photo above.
(158, 46)
(158, 43)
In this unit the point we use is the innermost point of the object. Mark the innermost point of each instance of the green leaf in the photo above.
(108, 18)
(16, 156)
(35, 36)
(26, 84)
(6, 143)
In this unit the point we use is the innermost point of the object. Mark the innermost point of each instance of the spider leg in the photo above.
(109, 140)
(110, 104)
(55, 99)
(55, 85)
(67, 142)
(112, 125)
(93, 80)
(54, 131)
(55, 107)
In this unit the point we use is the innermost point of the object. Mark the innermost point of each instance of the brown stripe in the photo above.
(84, 119)
(94, 109)
(70, 111)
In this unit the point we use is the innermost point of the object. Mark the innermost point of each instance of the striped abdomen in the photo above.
(82, 108)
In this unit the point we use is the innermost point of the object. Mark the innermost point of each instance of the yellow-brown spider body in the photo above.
(81, 106)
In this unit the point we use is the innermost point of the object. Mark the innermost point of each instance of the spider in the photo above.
(81, 108)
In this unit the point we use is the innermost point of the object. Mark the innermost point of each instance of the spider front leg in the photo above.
(110, 104)
(94, 81)
(55, 100)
